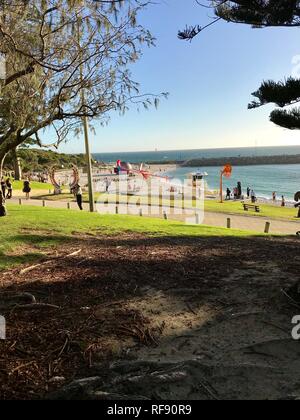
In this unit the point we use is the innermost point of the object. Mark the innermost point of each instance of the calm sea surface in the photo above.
(161, 156)
(264, 179)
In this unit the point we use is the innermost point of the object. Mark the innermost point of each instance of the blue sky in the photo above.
(210, 82)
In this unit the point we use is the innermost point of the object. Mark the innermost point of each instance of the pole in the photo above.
(89, 164)
(86, 138)
(221, 187)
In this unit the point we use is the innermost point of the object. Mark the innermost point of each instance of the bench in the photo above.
(253, 207)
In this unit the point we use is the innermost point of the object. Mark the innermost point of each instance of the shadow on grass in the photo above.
(19, 245)
(42, 240)
(9, 261)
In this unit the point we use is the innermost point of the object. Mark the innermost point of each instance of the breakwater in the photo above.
(242, 161)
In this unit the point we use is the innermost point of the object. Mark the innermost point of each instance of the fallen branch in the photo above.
(7, 301)
(33, 267)
(36, 306)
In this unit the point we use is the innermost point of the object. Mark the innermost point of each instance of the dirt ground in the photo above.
(154, 318)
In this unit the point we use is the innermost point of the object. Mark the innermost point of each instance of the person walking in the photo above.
(27, 188)
(9, 189)
(274, 196)
(107, 184)
(78, 195)
(253, 197)
(283, 201)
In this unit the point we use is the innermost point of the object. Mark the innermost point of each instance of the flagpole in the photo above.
(221, 187)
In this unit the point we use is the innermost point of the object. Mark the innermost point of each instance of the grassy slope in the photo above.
(27, 232)
(267, 210)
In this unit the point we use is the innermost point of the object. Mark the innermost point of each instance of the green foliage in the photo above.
(286, 118)
(40, 160)
(260, 13)
(281, 93)
(65, 60)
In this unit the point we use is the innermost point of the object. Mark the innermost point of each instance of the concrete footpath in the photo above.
(247, 222)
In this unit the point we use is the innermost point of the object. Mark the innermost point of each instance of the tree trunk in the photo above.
(1, 165)
(2, 205)
(17, 165)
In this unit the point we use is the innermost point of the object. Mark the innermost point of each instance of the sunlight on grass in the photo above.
(37, 229)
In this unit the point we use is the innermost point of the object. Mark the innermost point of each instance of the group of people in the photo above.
(274, 197)
(251, 195)
(6, 188)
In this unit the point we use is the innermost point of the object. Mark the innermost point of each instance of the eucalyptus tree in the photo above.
(66, 60)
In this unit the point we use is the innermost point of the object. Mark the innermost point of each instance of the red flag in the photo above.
(227, 171)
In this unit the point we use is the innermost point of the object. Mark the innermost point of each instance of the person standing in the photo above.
(27, 188)
(253, 197)
(3, 187)
(283, 201)
(228, 194)
(274, 196)
(78, 195)
(9, 189)
(248, 192)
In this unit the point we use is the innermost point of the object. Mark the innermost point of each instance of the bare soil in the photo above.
(156, 318)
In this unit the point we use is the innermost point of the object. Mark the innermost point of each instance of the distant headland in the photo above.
(236, 161)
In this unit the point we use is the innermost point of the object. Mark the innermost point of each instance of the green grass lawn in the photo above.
(29, 231)
(266, 210)
(18, 186)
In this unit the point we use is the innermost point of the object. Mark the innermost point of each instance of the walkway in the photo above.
(247, 222)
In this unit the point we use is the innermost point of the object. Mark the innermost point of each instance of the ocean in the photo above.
(172, 155)
(264, 179)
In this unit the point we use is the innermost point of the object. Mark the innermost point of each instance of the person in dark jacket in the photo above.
(27, 189)
(9, 189)
(3, 187)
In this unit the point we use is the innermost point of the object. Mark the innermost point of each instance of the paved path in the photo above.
(247, 222)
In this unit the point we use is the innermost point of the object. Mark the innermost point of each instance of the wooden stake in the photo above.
(267, 228)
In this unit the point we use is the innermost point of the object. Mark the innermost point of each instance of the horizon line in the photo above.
(206, 148)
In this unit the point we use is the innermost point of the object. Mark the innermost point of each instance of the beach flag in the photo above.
(227, 171)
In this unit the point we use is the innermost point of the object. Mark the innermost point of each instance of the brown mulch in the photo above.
(88, 322)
